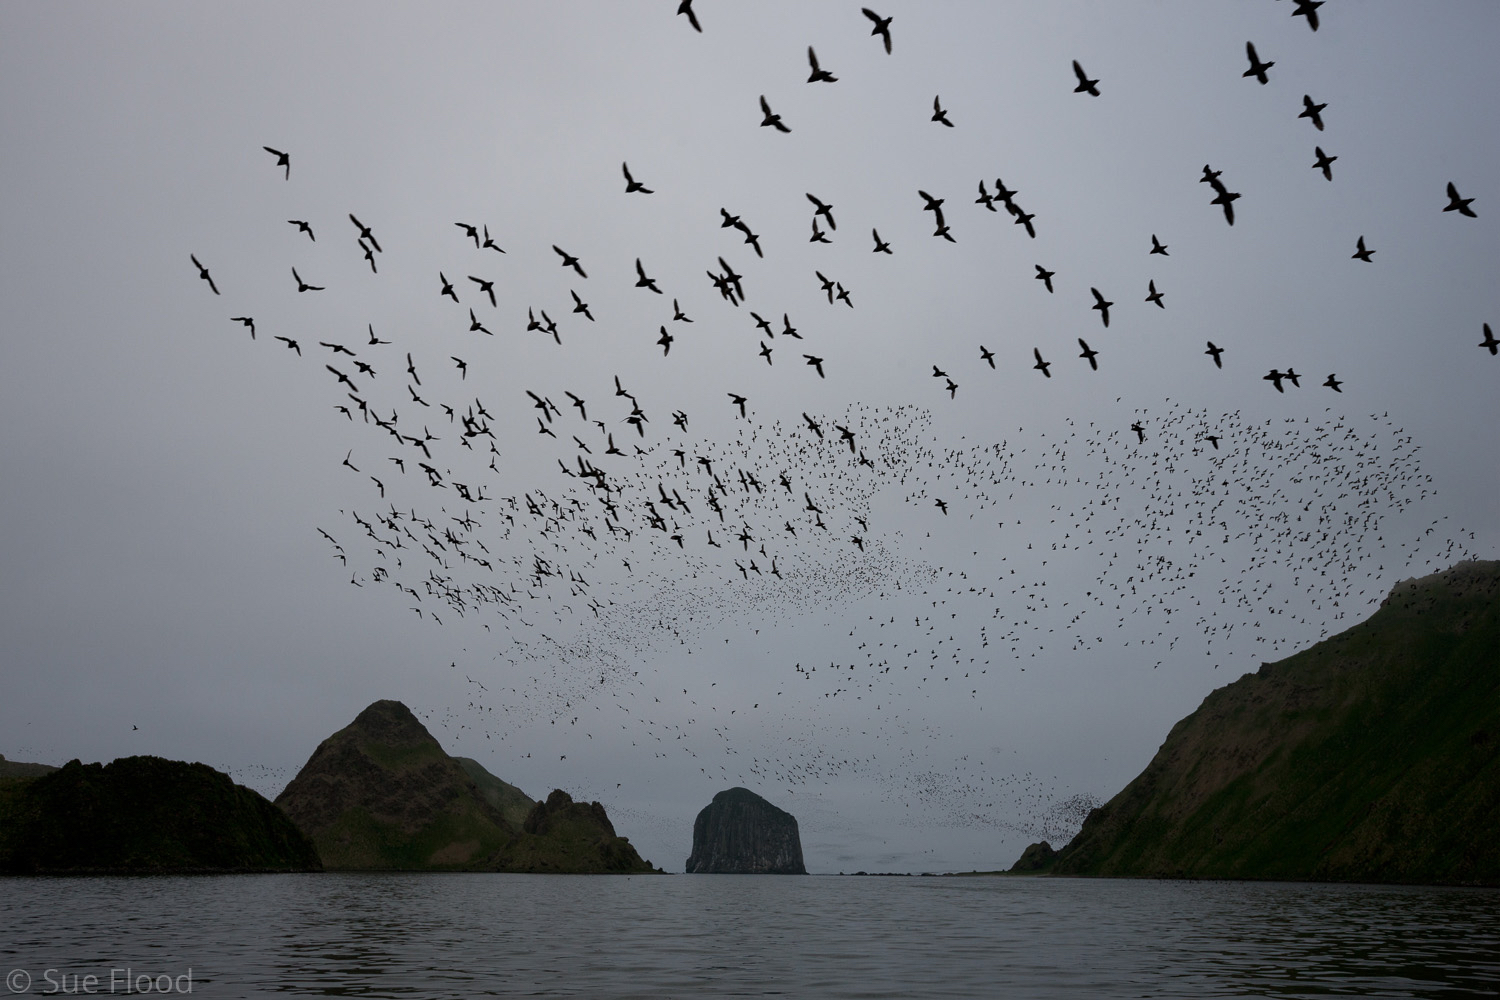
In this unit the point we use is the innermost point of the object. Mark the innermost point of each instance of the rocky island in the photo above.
(741, 833)
(143, 815)
(1373, 756)
(381, 793)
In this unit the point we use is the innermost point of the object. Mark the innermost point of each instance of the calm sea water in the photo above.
(417, 936)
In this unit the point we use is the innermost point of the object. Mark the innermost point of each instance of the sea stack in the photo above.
(740, 833)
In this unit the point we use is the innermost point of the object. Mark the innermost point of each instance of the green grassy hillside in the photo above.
(1372, 756)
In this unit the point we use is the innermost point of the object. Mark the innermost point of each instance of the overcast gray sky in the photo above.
(980, 673)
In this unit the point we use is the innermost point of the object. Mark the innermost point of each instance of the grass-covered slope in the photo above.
(381, 793)
(144, 815)
(1372, 756)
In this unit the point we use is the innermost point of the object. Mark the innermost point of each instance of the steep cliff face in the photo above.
(144, 815)
(1372, 756)
(741, 833)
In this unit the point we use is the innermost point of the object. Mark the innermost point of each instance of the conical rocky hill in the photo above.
(381, 793)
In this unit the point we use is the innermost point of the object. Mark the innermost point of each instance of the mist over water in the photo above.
(412, 936)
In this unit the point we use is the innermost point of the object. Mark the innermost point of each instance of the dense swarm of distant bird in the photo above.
(1185, 517)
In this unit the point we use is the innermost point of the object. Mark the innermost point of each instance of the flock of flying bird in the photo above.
(633, 546)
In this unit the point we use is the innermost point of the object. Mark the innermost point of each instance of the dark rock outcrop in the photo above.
(144, 815)
(741, 833)
(560, 835)
(1036, 858)
(1369, 757)
(381, 793)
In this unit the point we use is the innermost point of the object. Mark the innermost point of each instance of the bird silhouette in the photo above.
(1044, 276)
(1214, 352)
(1085, 85)
(1313, 112)
(203, 273)
(686, 7)
(1457, 204)
(1041, 366)
(1089, 354)
(1324, 163)
(1158, 247)
(631, 184)
(1102, 304)
(568, 260)
(1489, 342)
(818, 75)
(1360, 253)
(1257, 68)
(938, 114)
(771, 118)
(303, 286)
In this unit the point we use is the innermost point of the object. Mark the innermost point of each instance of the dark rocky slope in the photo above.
(381, 793)
(741, 833)
(1372, 756)
(144, 815)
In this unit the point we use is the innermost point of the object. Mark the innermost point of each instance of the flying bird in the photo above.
(818, 75)
(822, 208)
(985, 354)
(568, 260)
(1360, 253)
(686, 7)
(1041, 365)
(447, 288)
(1044, 276)
(1457, 204)
(880, 245)
(470, 231)
(665, 340)
(1488, 342)
(1325, 163)
(1085, 85)
(303, 227)
(1312, 111)
(1214, 352)
(938, 114)
(816, 363)
(303, 286)
(1333, 383)
(203, 273)
(247, 321)
(365, 233)
(771, 118)
(631, 184)
(1089, 354)
(642, 281)
(580, 306)
(282, 160)
(291, 344)
(1158, 247)
(1257, 68)
(488, 243)
(485, 288)
(1102, 304)
(1154, 295)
